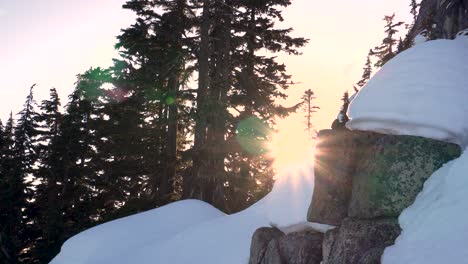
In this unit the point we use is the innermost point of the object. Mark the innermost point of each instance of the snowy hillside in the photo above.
(190, 231)
(435, 227)
(421, 92)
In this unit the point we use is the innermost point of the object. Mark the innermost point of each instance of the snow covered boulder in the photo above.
(423, 91)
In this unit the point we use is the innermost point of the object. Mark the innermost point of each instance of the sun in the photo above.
(291, 147)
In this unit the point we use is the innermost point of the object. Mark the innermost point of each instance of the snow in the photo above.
(340, 117)
(435, 227)
(192, 231)
(103, 242)
(462, 35)
(421, 92)
(420, 38)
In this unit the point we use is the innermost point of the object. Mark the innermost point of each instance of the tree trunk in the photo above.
(190, 186)
(221, 88)
(174, 83)
(171, 161)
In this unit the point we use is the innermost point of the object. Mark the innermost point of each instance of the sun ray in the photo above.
(291, 148)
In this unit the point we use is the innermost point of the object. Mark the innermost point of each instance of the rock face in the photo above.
(369, 175)
(271, 246)
(260, 240)
(390, 172)
(448, 16)
(301, 248)
(363, 181)
(359, 241)
(334, 166)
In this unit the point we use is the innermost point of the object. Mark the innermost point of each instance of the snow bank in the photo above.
(421, 92)
(435, 227)
(190, 231)
(113, 239)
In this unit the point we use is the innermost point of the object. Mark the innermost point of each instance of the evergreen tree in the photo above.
(79, 142)
(367, 72)
(309, 108)
(25, 152)
(126, 153)
(3, 141)
(210, 175)
(202, 100)
(7, 246)
(239, 78)
(386, 50)
(18, 158)
(414, 10)
(407, 42)
(47, 195)
(124, 142)
(401, 46)
(157, 43)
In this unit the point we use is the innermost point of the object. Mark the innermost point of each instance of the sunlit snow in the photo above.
(423, 91)
(191, 231)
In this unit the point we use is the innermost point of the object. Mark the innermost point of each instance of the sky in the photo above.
(49, 42)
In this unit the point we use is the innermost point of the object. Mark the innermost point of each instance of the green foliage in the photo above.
(252, 135)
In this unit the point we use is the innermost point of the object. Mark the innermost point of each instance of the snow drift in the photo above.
(190, 231)
(423, 91)
(122, 236)
(435, 227)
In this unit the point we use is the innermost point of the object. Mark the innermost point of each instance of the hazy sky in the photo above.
(48, 42)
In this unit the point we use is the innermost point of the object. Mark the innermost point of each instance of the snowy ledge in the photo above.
(397, 125)
(423, 91)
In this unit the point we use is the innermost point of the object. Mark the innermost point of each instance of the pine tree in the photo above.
(25, 151)
(47, 195)
(163, 53)
(386, 50)
(414, 10)
(126, 151)
(309, 108)
(18, 158)
(240, 79)
(202, 100)
(401, 46)
(69, 170)
(367, 72)
(3, 141)
(211, 172)
(80, 135)
(7, 254)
